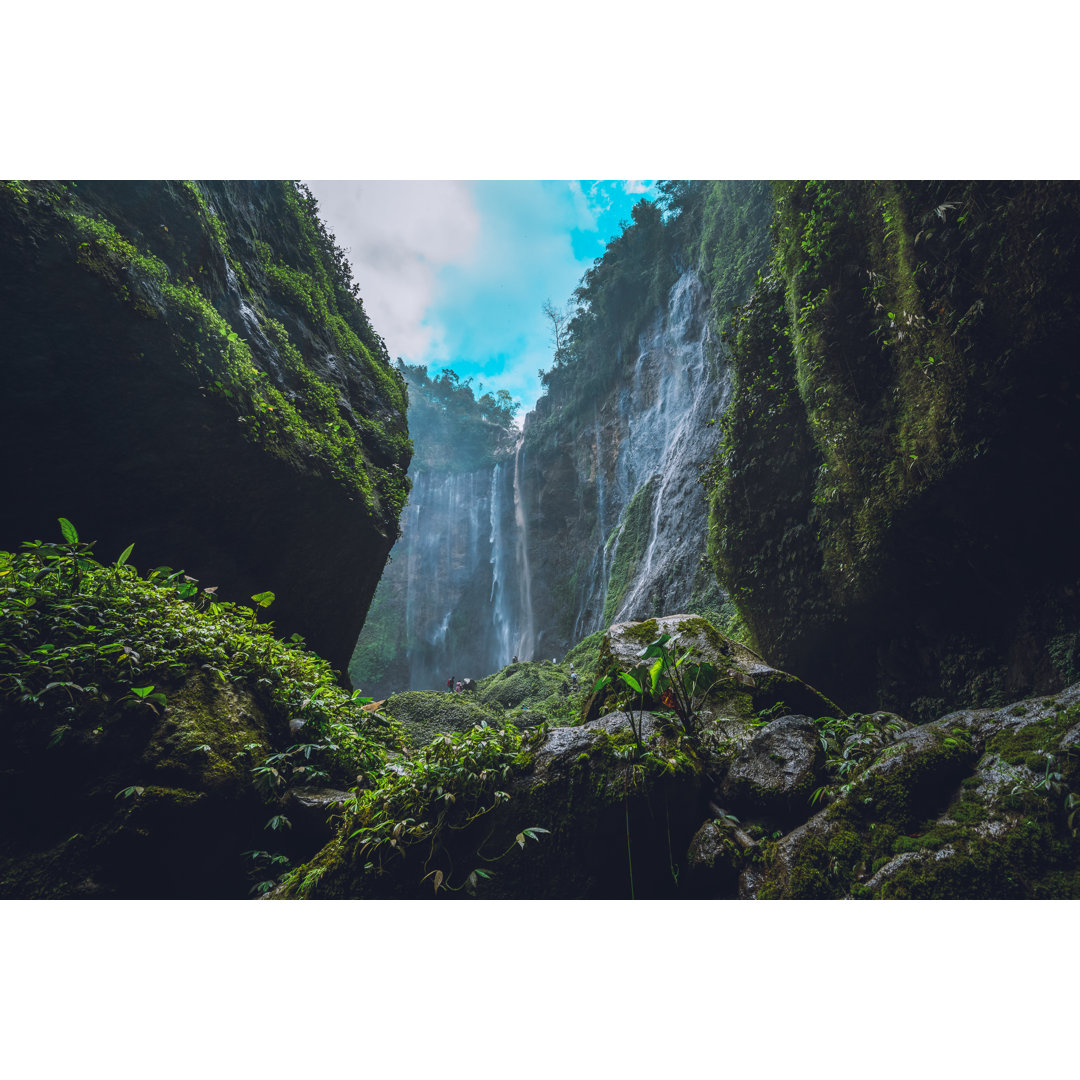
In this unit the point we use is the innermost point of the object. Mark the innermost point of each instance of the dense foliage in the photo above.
(453, 427)
(80, 639)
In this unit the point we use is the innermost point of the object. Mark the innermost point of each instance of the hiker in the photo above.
(450, 684)
(514, 661)
(459, 688)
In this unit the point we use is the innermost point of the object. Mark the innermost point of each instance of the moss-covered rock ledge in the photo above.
(760, 802)
(189, 366)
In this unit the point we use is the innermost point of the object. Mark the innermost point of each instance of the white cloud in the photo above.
(586, 215)
(638, 187)
(399, 235)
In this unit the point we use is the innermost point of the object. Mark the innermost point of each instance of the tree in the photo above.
(560, 332)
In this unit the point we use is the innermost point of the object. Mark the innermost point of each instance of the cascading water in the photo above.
(527, 637)
(482, 553)
(651, 511)
(665, 442)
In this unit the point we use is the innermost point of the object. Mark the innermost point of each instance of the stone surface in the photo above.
(776, 774)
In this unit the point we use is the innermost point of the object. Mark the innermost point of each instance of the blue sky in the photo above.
(455, 273)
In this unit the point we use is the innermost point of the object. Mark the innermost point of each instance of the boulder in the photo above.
(776, 774)
(971, 806)
(747, 684)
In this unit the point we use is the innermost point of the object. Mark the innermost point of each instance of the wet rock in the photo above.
(713, 859)
(564, 746)
(644, 723)
(776, 774)
(783, 875)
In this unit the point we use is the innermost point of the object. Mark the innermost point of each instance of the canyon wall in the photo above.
(891, 504)
(188, 366)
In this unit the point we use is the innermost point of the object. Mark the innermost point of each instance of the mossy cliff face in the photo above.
(888, 510)
(187, 366)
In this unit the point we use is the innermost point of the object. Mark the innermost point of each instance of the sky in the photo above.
(455, 273)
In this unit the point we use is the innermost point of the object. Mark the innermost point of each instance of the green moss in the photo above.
(630, 539)
(311, 422)
(1027, 745)
(585, 655)
(643, 633)
(424, 714)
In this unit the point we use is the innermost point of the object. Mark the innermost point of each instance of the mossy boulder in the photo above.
(776, 774)
(427, 713)
(747, 684)
(526, 683)
(152, 734)
(972, 806)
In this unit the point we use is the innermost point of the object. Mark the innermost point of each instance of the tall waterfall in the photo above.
(527, 636)
(666, 446)
(480, 574)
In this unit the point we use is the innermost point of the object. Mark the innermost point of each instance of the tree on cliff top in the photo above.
(452, 427)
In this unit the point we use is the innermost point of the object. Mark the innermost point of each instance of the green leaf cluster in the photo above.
(80, 639)
(449, 784)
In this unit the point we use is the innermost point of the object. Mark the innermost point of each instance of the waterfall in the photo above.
(673, 397)
(500, 613)
(527, 637)
(461, 590)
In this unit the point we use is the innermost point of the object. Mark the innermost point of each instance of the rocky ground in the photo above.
(776, 793)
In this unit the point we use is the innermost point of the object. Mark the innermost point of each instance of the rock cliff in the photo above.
(888, 506)
(188, 366)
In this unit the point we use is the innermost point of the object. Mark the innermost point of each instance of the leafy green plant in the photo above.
(668, 677)
(144, 695)
(83, 642)
(446, 787)
(850, 743)
(267, 870)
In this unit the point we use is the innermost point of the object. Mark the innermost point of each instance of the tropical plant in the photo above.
(668, 677)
